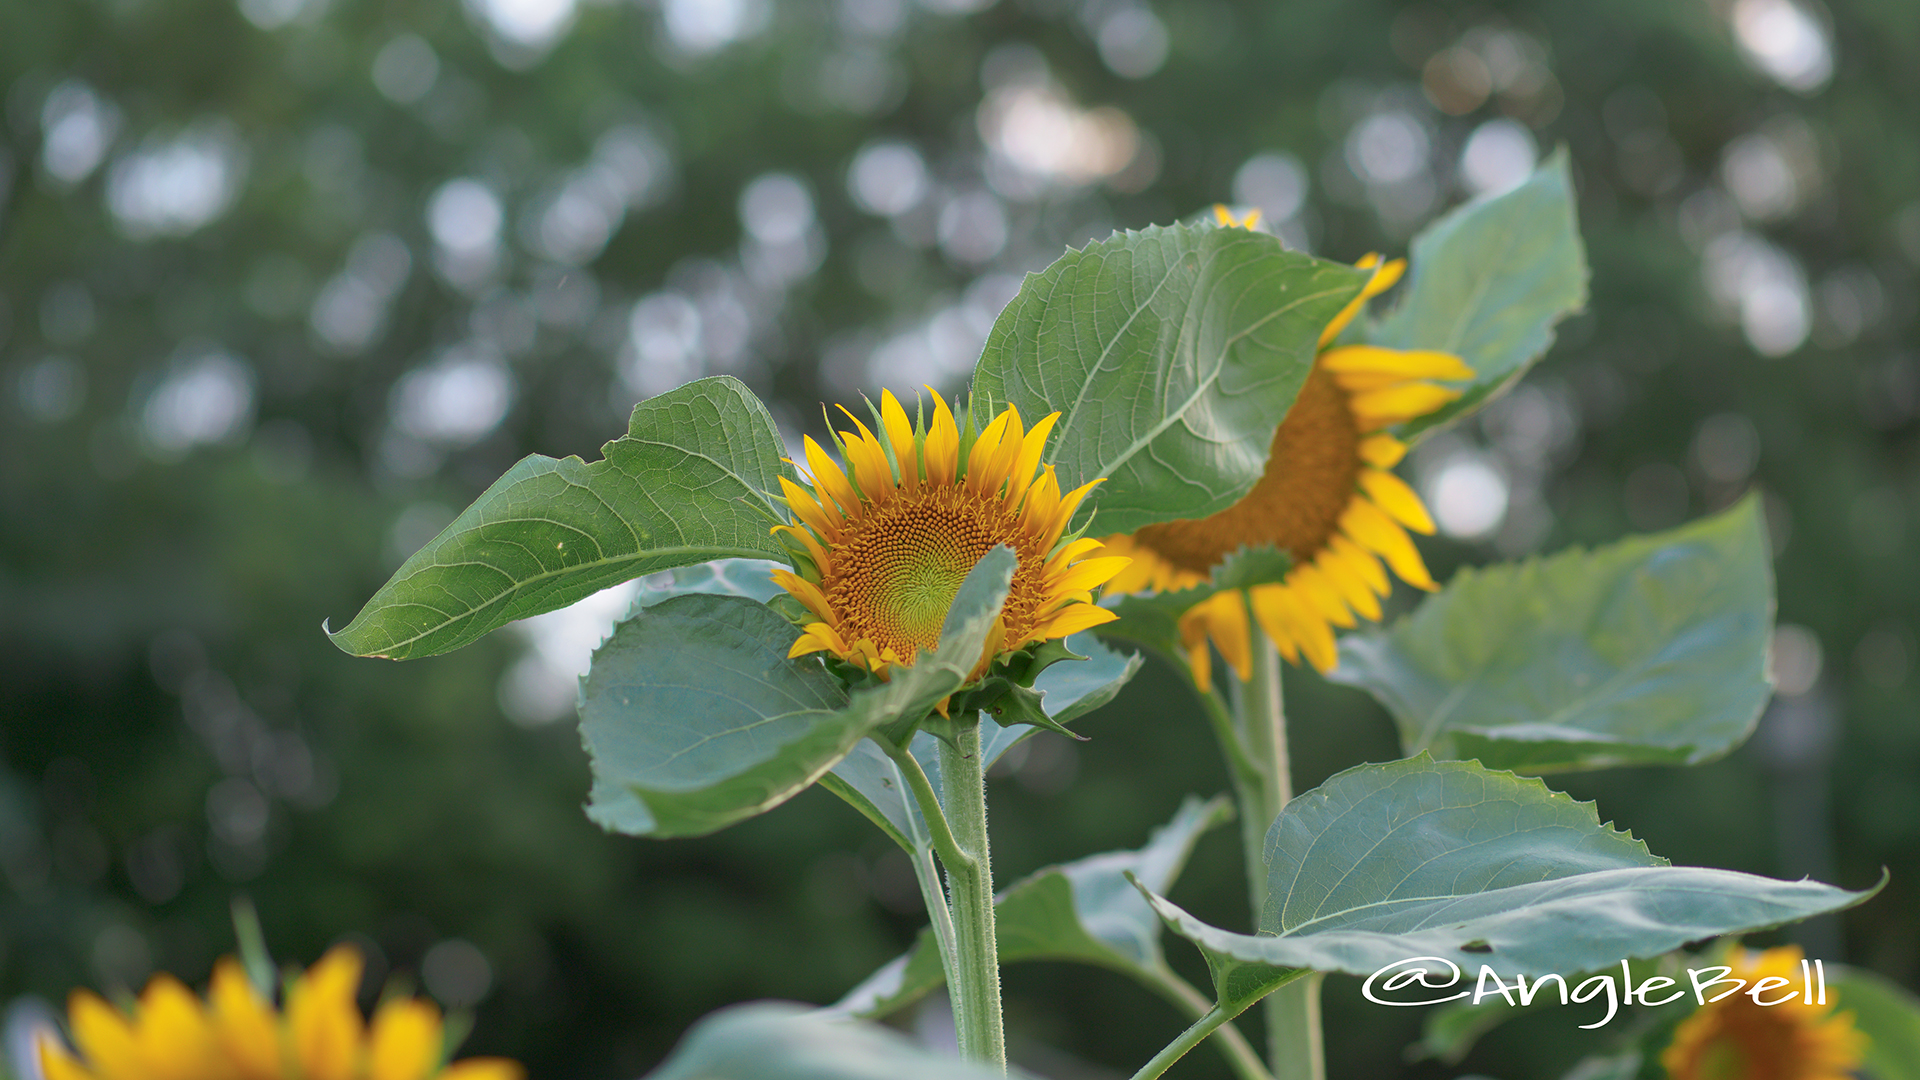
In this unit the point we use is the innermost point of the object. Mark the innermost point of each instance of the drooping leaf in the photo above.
(1648, 651)
(1172, 354)
(1462, 865)
(869, 780)
(1488, 282)
(695, 718)
(692, 480)
(1084, 911)
(778, 1041)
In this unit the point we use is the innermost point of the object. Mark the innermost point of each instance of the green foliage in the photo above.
(1445, 859)
(695, 717)
(1887, 1013)
(1488, 282)
(693, 479)
(1652, 650)
(1083, 911)
(1172, 353)
(787, 1042)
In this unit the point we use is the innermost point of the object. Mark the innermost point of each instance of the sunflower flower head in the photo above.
(882, 544)
(1736, 1038)
(1327, 499)
(237, 1034)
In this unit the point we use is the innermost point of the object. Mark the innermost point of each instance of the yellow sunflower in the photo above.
(1327, 499)
(236, 1034)
(883, 545)
(1735, 1038)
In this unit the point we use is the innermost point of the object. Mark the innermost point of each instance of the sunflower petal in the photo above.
(820, 519)
(1353, 588)
(55, 1062)
(1378, 533)
(1227, 623)
(1028, 462)
(821, 561)
(804, 591)
(175, 1035)
(323, 1018)
(1063, 558)
(872, 473)
(899, 430)
(104, 1037)
(985, 445)
(1382, 451)
(1376, 409)
(1200, 663)
(1318, 594)
(830, 480)
(1064, 514)
(1088, 574)
(943, 443)
(999, 467)
(1399, 363)
(1280, 608)
(247, 1028)
(1078, 617)
(1390, 493)
(405, 1043)
(483, 1069)
(1383, 279)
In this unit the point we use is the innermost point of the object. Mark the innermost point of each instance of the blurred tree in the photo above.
(282, 282)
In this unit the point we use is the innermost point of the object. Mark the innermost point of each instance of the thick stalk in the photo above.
(976, 989)
(1295, 1050)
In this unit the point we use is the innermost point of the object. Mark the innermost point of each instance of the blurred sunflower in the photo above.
(1327, 499)
(237, 1035)
(1736, 1038)
(883, 545)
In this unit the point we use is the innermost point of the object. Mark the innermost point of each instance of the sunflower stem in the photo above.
(940, 830)
(1295, 1046)
(976, 990)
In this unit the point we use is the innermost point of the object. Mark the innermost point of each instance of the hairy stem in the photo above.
(976, 988)
(1240, 1054)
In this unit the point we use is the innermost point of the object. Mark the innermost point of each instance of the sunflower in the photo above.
(1327, 499)
(882, 546)
(1736, 1038)
(236, 1034)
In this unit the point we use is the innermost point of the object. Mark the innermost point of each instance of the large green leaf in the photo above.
(871, 781)
(775, 1041)
(1084, 911)
(1888, 1014)
(1488, 282)
(695, 717)
(1651, 650)
(693, 479)
(1457, 864)
(1172, 354)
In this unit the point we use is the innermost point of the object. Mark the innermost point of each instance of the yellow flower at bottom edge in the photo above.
(237, 1035)
(1736, 1038)
(1326, 498)
(891, 538)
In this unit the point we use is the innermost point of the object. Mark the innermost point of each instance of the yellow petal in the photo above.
(1225, 217)
(1400, 363)
(828, 478)
(247, 1028)
(804, 644)
(819, 519)
(943, 443)
(55, 1062)
(1024, 466)
(821, 561)
(804, 591)
(405, 1043)
(1042, 501)
(1360, 562)
(1321, 598)
(1078, 617)
(1390, 493)
(484, 1069)
(1351, 585)
(1061, 559)
(1000, 466)
(872, 472)
(1376, 409)
(1383, 279)
(1375, 531)
(323, 1017)
(1200, 662)
(1281, 637)
(1088, 574)
(1382, 451)
(1064, 514)
(174, 1034)
(980, 478)
(1227, 624)
(104, 1037)
(893, 419)
(1283, 615)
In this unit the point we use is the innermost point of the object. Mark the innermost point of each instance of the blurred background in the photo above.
(284, 283)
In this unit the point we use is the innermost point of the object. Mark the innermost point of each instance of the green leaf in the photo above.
(1488, 282)
(1084, 911)
(695, 717)
(1466, 866)
(773, 1041)
(1172, 354)
(693, 479)
(869, 780)
(1652, 650)
(1250, 566)
(1887, 1013)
